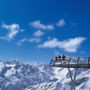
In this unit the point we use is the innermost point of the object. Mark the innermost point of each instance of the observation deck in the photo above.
(74, 62)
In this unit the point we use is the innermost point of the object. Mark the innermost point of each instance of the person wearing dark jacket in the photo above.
(59, 58)
(56, 58)
(63, 58)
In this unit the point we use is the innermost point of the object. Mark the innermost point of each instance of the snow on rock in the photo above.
(10, 72)
(18, 76)
(43, 86)
(2, 65)
(60, 73)
(10, 65)
(64, 82)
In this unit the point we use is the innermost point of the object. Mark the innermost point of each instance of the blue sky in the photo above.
(38, 30)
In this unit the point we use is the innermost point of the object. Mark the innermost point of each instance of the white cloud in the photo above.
(38, 25)
(21, 41)
(61, 23)
(38, 33)
(36, 40)
(70, 45)
(13, 30)
(50, 44)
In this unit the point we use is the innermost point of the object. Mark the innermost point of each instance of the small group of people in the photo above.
(60, 58)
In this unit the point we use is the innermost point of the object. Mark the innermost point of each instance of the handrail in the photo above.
(70, 58)
(78, 63)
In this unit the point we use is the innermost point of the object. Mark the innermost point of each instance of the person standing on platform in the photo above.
(56, 59)
(59, 58)
(63, 58)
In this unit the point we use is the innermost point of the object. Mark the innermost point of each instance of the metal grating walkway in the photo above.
(74, 62)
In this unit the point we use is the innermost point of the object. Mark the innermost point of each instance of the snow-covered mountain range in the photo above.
(18, 76)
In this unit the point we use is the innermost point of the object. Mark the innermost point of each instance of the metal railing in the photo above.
(73, 62)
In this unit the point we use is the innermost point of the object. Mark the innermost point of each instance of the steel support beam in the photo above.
(73, 79)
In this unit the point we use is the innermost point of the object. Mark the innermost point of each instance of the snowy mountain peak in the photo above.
(18, 76)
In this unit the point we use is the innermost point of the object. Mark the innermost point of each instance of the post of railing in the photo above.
(78, 61)
(69, 61)
(88, 60)
(50, 63)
